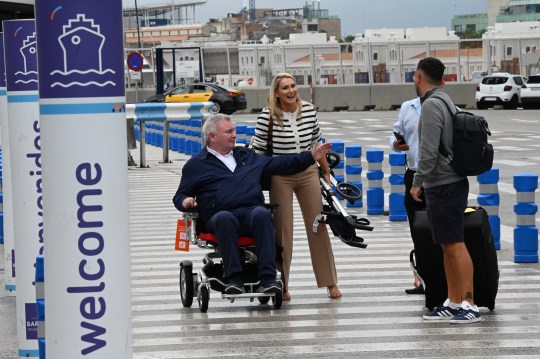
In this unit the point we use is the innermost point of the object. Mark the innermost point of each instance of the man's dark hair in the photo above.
(432, 68)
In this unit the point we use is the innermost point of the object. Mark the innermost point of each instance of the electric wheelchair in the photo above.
(212, 277)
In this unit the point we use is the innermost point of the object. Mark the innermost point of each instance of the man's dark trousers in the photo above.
(411, 206)
(254, 222)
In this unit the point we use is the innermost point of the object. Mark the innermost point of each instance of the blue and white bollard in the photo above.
(525, 232)
(396, 205)
(375, 192)
(250, 132)
(339, 170)
(353, 170)
(241, 135)
(174, 137)
(182, 136)
(189, 138)
(490, 200)
(196, 132)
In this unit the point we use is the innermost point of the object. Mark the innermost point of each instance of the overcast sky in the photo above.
(356, 15)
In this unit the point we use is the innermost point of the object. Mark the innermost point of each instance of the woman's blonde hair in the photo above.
(273, 101)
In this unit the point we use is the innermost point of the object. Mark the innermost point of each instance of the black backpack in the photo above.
(473, 155)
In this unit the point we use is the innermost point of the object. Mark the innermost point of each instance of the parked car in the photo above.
(499, 89)
(530, 92)
(225, 99)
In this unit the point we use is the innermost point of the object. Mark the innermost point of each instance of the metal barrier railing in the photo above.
(164, 113)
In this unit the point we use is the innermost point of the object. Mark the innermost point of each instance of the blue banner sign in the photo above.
(81, 60)
(22, 59)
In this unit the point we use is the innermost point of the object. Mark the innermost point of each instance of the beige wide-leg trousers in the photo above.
(305, 185)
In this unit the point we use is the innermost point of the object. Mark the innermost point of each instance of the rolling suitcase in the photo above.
(427, 259)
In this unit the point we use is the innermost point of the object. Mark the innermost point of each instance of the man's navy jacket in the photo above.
(216, 188)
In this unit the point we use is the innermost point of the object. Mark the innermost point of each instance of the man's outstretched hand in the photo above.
(320, 150)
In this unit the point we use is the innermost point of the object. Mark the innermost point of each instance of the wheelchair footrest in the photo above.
(247, 295)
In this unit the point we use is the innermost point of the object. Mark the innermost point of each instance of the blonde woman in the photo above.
(294, 128)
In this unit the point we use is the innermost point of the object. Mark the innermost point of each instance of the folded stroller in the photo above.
(342, 224)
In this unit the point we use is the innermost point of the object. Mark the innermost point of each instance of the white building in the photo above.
(392, 54)
(513, 47)
(389, 55)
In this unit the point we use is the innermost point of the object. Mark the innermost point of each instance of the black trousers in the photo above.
(411, 206)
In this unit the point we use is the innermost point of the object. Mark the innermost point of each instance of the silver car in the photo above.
(530, 92)
(499, 89)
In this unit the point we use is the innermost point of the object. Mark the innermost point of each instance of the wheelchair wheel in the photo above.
(204, 298)
(278, 300)
(264, 300)
(186, 283)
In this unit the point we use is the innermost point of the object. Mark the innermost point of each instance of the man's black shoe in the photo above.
(269, 285)
(415, 290)
(235, 286)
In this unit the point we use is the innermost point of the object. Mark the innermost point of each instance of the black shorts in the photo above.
(445, 209)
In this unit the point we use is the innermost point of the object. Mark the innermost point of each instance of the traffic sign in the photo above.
(135, 61)
(135, 75)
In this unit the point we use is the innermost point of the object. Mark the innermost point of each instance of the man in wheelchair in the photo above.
(223, 182)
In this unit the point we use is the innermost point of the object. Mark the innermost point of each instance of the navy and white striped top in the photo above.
(296, 135)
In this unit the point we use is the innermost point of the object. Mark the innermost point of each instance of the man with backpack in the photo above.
(446, 193)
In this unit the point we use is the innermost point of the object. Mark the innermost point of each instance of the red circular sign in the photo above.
(135, 61)
(250, 81)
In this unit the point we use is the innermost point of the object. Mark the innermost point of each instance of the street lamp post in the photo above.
(137, 20)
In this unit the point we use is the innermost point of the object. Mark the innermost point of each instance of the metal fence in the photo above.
(254, 65)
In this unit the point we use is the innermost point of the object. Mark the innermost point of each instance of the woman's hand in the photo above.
(327, 177)
(319, 151)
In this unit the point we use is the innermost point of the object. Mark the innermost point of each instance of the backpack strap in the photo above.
(441, 150)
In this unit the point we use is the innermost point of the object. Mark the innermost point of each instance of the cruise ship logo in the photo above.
(28, 52)
(82, 44)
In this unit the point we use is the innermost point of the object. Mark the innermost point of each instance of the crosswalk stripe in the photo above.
(374, 319)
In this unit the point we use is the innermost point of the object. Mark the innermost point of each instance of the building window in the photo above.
(313, 27)
(509, 51)
(375, 56)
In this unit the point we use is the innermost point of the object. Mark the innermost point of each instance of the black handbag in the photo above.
(266, 178)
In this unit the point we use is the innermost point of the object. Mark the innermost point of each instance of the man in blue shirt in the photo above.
(223, 182)
(407, 126)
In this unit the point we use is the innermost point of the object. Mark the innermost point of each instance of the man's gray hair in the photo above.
(211, 125)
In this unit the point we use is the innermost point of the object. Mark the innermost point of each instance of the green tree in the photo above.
(472, 34)
(349, 38)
